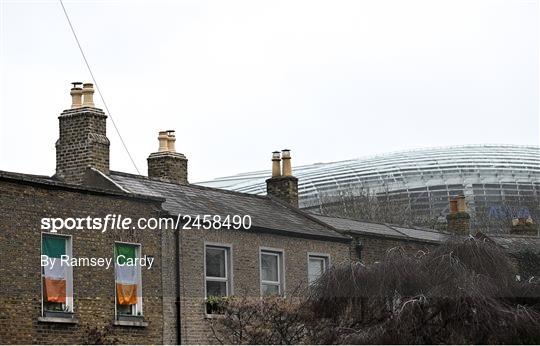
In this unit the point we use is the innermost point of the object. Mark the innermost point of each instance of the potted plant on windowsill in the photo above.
(215, 305)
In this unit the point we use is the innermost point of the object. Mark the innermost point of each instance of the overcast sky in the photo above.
(331, 80)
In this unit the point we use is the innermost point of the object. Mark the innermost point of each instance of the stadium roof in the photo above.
(493, 163)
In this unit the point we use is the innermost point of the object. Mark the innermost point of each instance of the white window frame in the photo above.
(228, 279)
(280, 269)
(318, 255)
(69, 283)
(136, 308)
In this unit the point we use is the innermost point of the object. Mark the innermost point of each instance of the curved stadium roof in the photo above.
(486, 174)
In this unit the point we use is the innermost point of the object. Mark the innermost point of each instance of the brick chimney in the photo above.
(283, 184)
(458, 221)
(83, 137)
(524, 226)
(166, 164)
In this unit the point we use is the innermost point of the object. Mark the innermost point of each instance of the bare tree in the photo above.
(385, 206)
(365, 204)
(459, 293)
(271, 320)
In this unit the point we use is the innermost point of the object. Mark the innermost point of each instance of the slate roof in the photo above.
(512, 243)
(382, 229)
(52, 182)
(267, 214)
(423, 234)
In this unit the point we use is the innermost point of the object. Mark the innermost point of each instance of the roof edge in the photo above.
(54, 183)
(273, 231)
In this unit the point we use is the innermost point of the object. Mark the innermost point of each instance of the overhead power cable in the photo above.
(97, 87)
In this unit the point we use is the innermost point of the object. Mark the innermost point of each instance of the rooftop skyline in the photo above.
(237, 80)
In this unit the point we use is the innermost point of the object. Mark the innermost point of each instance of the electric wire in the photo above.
(97, 87)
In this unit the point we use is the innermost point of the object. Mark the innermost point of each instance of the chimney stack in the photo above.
(83, 139)
(283, 185)
(524, 226)
(166, 164)
(458, 221)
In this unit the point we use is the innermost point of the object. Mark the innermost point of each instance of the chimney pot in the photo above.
(453, 206)
(287, 168)
(459, 218)
(171, 140)
(461, 204)
(163, 139)
(276, 164)
(88, 95)
(76, 95)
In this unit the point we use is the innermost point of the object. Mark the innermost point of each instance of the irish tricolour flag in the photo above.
(55, 273)
(126, 274)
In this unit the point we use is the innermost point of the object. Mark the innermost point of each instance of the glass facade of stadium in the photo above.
(498, 181)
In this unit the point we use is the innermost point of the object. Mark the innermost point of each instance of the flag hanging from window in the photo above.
(55, 273)
(126, 275)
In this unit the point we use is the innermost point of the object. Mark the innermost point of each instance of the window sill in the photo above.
(65, 320)
(213, 316)
(124, 323)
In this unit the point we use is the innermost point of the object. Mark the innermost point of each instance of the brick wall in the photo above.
(168, 166)
(82, 142)
(21, 208)
(169, 278)
(283, 188)
(459, 223)
(195, 327)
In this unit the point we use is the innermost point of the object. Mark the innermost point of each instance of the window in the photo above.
(217, 271)
(317, 265)
(57, 274)
(271, 272)
(128, 279)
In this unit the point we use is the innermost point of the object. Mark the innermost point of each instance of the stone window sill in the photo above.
(124, 323)
(213, 316)
(65, 320)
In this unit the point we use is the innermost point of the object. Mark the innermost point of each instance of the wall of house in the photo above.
(374, 247)
(21, 208)
(169, 277)
(195, 326)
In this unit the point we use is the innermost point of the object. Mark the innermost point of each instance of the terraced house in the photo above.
(226, 243)
(71, 273)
